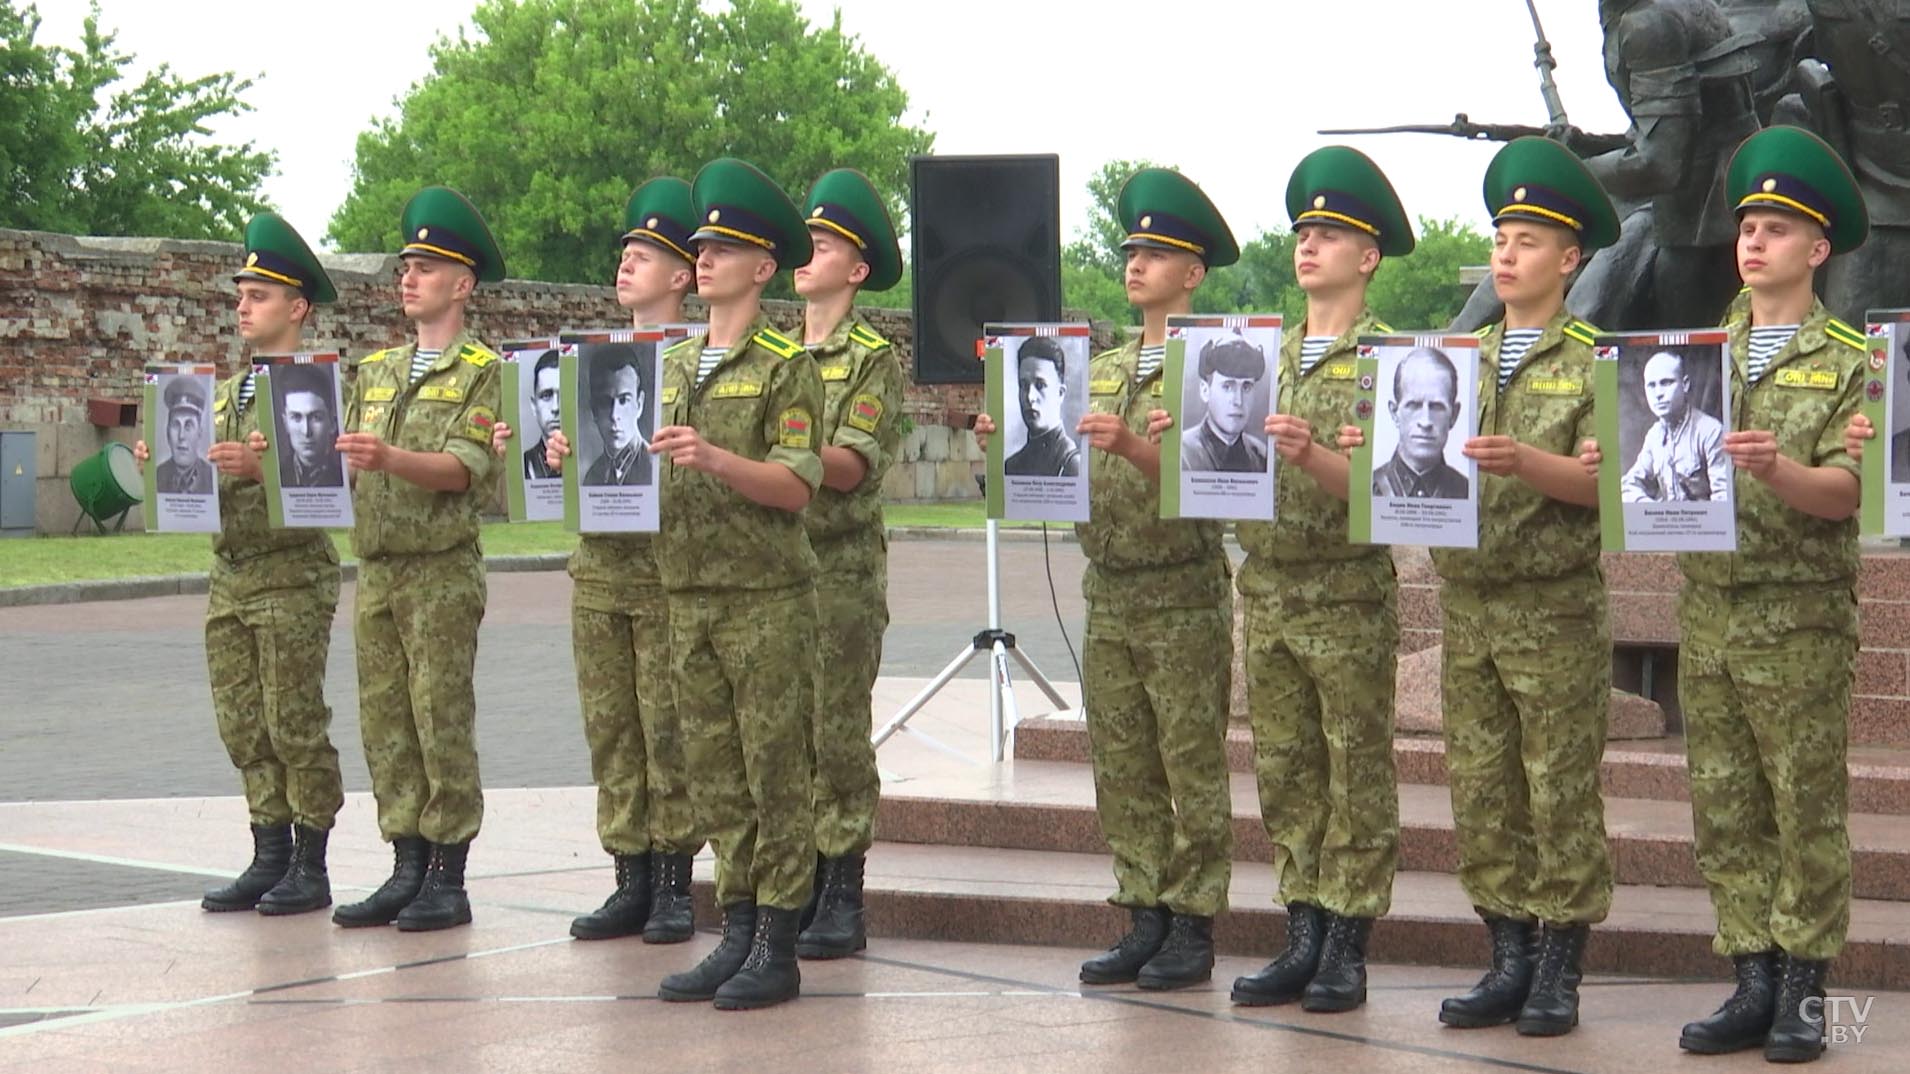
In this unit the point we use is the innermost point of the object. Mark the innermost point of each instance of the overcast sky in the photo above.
(1231, 92)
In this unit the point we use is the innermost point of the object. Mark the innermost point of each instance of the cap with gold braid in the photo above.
(1342, 187)
(844, 203)
(1794, 171)
(274, 252)
(438, 222)
(737, 203)
(1540, 180)
(661, 213)
(1163, 209)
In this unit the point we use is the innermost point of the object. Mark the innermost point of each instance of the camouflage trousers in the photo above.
(745, 686)
(416, 630)
(1527, 695)
(853, 605)
(268, 632)
(1321, 655)
(620, 640)
(1764, 677)
(1156, 693)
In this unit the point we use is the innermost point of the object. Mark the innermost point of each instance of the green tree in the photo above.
(1423, 290)
(551, 111)
(82, 153)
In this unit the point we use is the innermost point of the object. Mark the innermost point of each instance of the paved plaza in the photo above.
(119, 809)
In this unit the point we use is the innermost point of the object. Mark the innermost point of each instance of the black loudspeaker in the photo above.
(986, 239)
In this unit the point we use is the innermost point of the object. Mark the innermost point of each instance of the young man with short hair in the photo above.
(418, 438)
(855, 250)
(269, 607)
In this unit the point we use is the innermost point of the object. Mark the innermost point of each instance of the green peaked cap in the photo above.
(439, 222)
(661, 213)
(1540, 180)
(1162, 208)
(275, 252)
(736, 202)
(1793, 170)
(1342, 187)
(844, 203)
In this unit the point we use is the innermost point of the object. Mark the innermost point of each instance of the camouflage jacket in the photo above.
(1309, 523)
(1136, 558)
(760, 402)
(450, 409)
(1524, 534)
(1806, 396)
(862, 404)
(245, 525)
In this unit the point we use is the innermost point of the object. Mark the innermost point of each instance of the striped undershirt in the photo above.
(246, 390)
(1151, 359)
(1312, 349)
(1765, 343)
(1512, 350)
(423, 360)
(712, 357)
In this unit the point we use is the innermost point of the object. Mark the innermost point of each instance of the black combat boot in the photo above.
(769, 975)
(1499, 995)
(1745, 1019)
(721, 964)
(1339, 984)
(441, 901)
(305, 886)
(409, 853)
(808, 914)
(1122, 962)
(271, 857)
(1551, 1008)
(1282, 980)
(837, 930)
(1186, 957)
(672, 920)
(1797, 1029)
(627, 908)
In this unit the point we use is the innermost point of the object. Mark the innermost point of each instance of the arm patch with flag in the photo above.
(796, 431)
(865, 412)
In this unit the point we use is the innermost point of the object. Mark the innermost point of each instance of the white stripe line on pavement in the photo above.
(108, 859)
(52, 915)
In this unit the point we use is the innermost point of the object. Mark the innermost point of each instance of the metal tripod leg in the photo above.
(899, 722)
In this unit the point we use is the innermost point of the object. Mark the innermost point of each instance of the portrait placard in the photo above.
(1411, 482)
(610, 382)
(1220, 375)
(1662, 405)
(529, 386)
(1886, 465)
(1037, 380)
(181, 484)
(301, 402)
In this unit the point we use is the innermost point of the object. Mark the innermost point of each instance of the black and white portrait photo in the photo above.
(186, 425)
(542, 403)
(1670, 424)
(1422, 428)
(1900, 406)
(620, 416)
(1050, 396)
(305, 411)
(1225, 399)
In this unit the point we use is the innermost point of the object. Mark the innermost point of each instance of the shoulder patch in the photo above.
(778, 344)
(476, 355)
(374, 356)
(1581, 331)
(1382, 326)
(1484, 332)
(679, 346)
(1844, 334)
(867, 337)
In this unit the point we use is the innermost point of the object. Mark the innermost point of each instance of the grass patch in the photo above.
(54, 559)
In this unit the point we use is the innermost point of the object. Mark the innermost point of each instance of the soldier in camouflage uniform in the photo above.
(1322, 622)
(269, 608)
(855, 250)
(740, 410)
(1527, 671)
(1768, 634)
(620, 634)
(418, 438)
(1160, 624)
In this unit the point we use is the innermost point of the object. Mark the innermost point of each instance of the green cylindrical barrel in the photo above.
(107, 483)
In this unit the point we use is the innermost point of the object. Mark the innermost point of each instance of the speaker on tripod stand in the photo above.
(985, 232)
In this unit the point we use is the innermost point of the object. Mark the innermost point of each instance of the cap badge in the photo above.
(1147, 221)
(715, 215)
(650, 223)
(251, 259)
(1519, 194)
(424, 232)
(1319, 201)
(1770, 186)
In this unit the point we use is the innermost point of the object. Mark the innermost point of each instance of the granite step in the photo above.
(1652, 769)
(1049, 806)
(978, 894)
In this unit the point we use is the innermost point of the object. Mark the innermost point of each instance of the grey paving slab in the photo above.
(37, 884)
